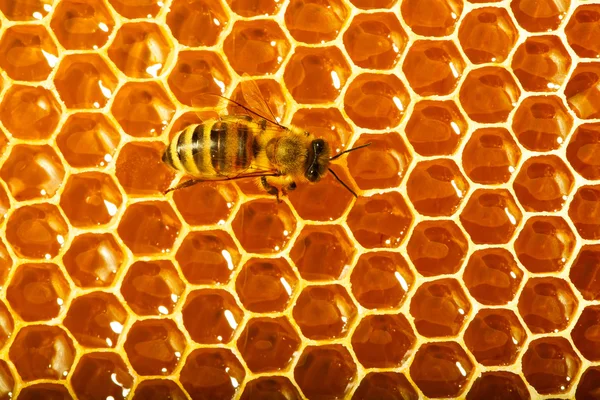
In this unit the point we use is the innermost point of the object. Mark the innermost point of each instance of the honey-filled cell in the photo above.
(82, 24)
(432, 17)
(582, 28)
(185, 16)
(583, 92)
(315, 21)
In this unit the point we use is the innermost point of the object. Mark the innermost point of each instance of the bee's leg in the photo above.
(269, 188)
(183, 185)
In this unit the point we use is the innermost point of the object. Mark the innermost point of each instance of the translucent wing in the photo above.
(255, 100)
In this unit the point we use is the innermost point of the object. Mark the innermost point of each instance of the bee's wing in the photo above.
(255, 100)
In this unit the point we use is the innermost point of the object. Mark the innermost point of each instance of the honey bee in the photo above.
(250, 144)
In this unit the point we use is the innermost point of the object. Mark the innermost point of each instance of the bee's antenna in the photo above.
(342, 182)
(348, 151)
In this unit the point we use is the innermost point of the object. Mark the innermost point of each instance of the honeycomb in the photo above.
(468, 267)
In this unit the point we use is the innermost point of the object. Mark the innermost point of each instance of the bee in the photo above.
(250, 143)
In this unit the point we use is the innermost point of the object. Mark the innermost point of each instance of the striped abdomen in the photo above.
(212, 149)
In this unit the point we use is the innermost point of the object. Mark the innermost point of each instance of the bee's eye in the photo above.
(319, 146)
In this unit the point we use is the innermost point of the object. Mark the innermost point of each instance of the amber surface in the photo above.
(489, 94)
(37, 292)
(381, 220)
(451, 374)
(212, 374)
(491, 156)
(589, 384)
(585, 272)
(585, 333)
(582, 92)
(7, 382)
(498, 385)
(545, 244)
(158, 389)
(30, 112)
(315, 21)
(583, 26)
(270, 388)
(440, 308)
(140, 170)
(435, 128)
(324, 312)
(99, 375)
(27, 53)
(433, 67)
(385, 385)
(326, 123)
(583, 151)
(185, 16)
(322, 252)
(325, 372)
(431, 17)
(6, 325)
(383, 341)
(82, 24)
(137, 8)
(550, 364)
(375, 41)
(495, 337)
(268, 344)
(27, 10)
(48, 391)
(253, 8)
(152, 287)
(545, 15)
(376, 101)
(93, 260)
(583, 211)
(487, 34)
(437, 247)
(6, 263)
(436, 187)
(32, 172)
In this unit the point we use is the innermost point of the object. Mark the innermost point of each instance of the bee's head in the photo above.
(317, 161)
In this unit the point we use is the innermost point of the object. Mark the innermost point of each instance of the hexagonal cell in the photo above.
(26, 11)
(143, 109)
(29, 112)
(437, 247)
(495, 337)
(137, 8)
(375, 41)
(7, 382)
(388, 385)
(52, 391)
(440, 308)
(256, 47)
(489, 94)
(380, 220)
(391, 352)
(268, 344)
(101, 375)
(37, 292)
(583, 149)
(500, 384)
(333, 365)
(149, 227)
(6, 263)
(545, 244)
(585, 333)
(82, 24)
(540, 16)
(32, 172)
(432, 17)
(212, 374)
(436, 187)
(381, 280)
(491, 216)
(316, 75)
(27, 53)
(435, 128)
(376, 101)
(96, 319)
(207, 204)
(157, 389)
(42, 352)
(264, 226)
(324, 312)
(84, 81)
(381, 165)
(585, 272)
(583, 211)
(6, 327)
(492, 276)
(589, 383)
(211, 316)
(582, 92)
(208, 257)
(490, 156)
(542, 123)
(550, 365)
(154, 346)
(433, 67)
(266, 285)
(547, 304)
(452, 372)
(543, 184)
(140, 169)
(322, 252)
(88, 140)
(185, 16)
(93, 260)
(584, 25)
(254, 8)
(140, 50)
(315, 21)
(152, 287)
(487, 35)
(268, 387)
(271, 92)
(90, 199)
(196, 73)
(541, 63)
(328, 124)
